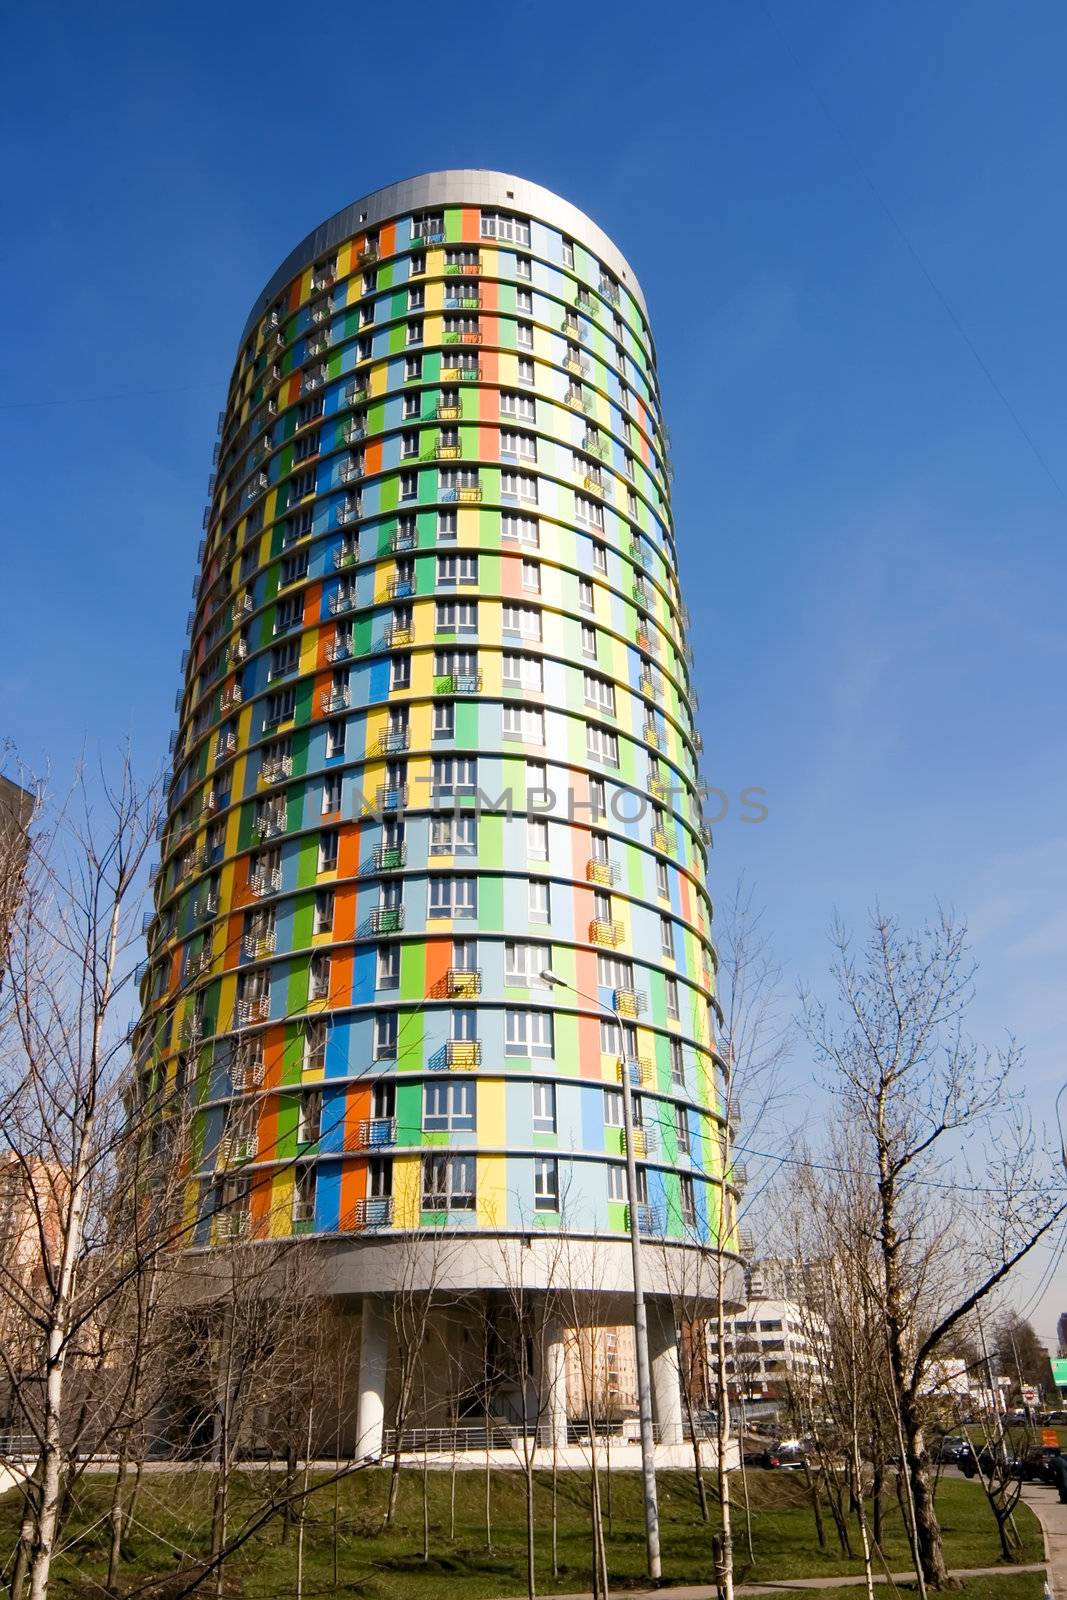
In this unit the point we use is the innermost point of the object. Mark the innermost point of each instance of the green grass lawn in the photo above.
(387, 1564)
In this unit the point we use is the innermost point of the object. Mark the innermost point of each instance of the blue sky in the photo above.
(872, 550)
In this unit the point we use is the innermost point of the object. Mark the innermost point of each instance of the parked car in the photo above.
(1055, 1419)
(1036, 1464)
(763, 1458)
(792, 1452)
(952, 1449)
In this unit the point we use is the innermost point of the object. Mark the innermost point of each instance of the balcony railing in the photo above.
(257, 1009)
(206, 905)
(394, 638)
(448, 413)
(268, 827)
(458, 1055)
(400, 588)
(256, 946)
(335, 699)
(646, 1140)
(387, 919)
(593, 483)
(391, 741)
(461, 374)
(231, 1225)
(458, 683)
(372, 1214)
(263, 883)
(605, 933)
(457, 301)
(351, 470)
(375, 1133)
(646, 642)
(339, 650)
(640, 1069)
(576, 364)
(230, 697)
(447, 452)
(354, 393)
(347, 556)
(649, 1220)
(453, 267)
(238, 650)
(347, 512)
(602, 872)
(663, 841)
(648, 687)
(275, 771)
(463, 982)
(342, 600)
(629, 1002)
(390, 857)
(392, 797)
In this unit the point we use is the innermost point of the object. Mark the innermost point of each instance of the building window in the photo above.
(666, 936)
(409, 485)
(523, 722)
(448, 1183)
(448, 1107)
(409, 442)
(447, 526)
(531, 576)
(681, 1129)
(526, 370)
(453, 776)
(524, 962)
(546, 1183)
(616, 1182)
(521, 621)
(453, 836)
(414, 333)
(519, 529)
(689, 1204)
(324, 907)
(544, 1108)
(524, 335)
(672, 999)
(601, 745)
(309, 1117)
(456, 616)
(329, 841)
(567, 251)
(514, 404)
(388, 976)
(501, 225)
(677, 1064)
(528, 1033)
(400, 672)
(662, 882)
(454, 897)
(453, 570)
(589, 647)
(537, 839)
(538, 901)
(412, 368)
(386, 1026)
(600, 556)
(613, 1108)
(522, 671)
(600, 692)
(585, 594)
(518, 486)
(331, 793)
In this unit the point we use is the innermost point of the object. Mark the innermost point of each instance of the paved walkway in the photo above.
(708, 1591)
(1044, 1503)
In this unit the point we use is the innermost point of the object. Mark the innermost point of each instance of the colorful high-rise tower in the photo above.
(436, 740)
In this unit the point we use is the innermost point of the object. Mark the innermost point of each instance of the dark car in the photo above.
(952, 1449)
(1036, 1464)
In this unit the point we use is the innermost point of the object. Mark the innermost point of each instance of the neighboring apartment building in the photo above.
(31, 1201)
(771, 1345)
(601, 1374)
(16, 812)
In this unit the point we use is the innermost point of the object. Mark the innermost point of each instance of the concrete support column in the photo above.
(554, 1382)
(666, 1372)
(373, 1367)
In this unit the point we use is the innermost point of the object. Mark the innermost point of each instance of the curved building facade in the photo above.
(436, 739)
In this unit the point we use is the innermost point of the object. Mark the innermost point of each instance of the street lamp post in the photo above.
(644, 1376)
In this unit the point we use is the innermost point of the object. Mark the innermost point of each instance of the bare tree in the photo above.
(913, 1085)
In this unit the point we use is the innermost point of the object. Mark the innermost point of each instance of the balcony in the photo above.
(646, 1141)
(629, 1002)
(570, 324)
(602, 872)
(593, 483)
(470, 495)
(376, 1213)
(641, 594)
(576, 397)
(347, 511)
(659, 788)
(339, 650)
(648, 687)
(428, 232)
(241, 608)
(448, 413)
(447, 452)
(331, 700)
(400, 588)
(390, 857)
(646, 642)
(608, 934)
(191, 1031)
(231, 1225)
(351, 470)
(375, 1133)
(650, 734)
(275, 771)
(391, 741)
(271, 827)
(347, 556)
(263, 883)
(663, 841)
(402, 539)
(609, 290)
(238, 650)
(460, 374)
(639, 554)
(393, 798)
(197, 965)
(649, 1220)
(257, 946)
(355, 393)
(257, 1009)
(387, 919)
(343, 599)
(458, 683)
(231, 697)
(458, 1055)
(457, 301)
(593, 445)
(640, 1070)
(469, 267)
(367, 251)
(321, 310)
(395, 638)
(247, 1071)
(226, 746)
(355, 432)
(206, 905)
(463, 982)
(576, 364)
